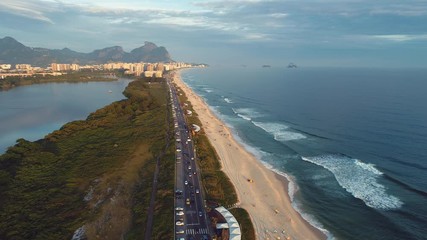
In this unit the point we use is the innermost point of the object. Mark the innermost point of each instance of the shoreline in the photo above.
(266, 198)
(6, 84)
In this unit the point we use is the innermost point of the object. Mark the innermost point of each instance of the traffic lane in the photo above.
(188, 153)
(179, 202)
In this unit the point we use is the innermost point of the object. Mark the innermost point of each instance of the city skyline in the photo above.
(309, 32)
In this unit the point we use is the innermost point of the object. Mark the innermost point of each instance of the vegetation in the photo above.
(244, 220)
(95, 173)
(71, 77)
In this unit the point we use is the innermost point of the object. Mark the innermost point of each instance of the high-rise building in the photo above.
(150, 67)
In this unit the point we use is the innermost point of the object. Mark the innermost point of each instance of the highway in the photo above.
(191, 221)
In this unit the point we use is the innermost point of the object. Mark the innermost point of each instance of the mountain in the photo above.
(14, 52)
(149, 52)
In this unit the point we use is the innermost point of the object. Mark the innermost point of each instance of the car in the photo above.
(180, 213)
(186, 182)
(200, 214)
(178, 150)
(179, 208)
(179, 223)
(197, 191)
(189, 167)
(180, 232)
(194, 173)
(189, 175)
(192, 158)
(188, 140)
(187, 201)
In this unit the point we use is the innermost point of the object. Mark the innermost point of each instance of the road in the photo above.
(188, 190)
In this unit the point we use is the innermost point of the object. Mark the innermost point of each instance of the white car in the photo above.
(180, 213)
(179, 223)
(179, 208)
(186, 182)
(180, 232)
(197, 191)
(178, 150)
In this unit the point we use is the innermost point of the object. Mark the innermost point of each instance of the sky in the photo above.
(338, 33)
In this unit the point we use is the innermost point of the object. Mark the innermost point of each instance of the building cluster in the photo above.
(136, 69)
(145, 69)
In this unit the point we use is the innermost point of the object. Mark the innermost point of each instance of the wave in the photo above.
(227, 100)
(247, 113)
(261, 156)
(358, 178)
(312, 220)
(279, 131)
(208, 90)
(244, 117)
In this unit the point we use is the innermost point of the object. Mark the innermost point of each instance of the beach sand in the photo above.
(266, 199)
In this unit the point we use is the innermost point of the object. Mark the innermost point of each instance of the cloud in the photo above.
(288, 26)
(31, 9)
(399, 37)
(410, 9)
(278, 15)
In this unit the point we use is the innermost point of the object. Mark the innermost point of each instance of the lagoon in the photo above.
(31, 112)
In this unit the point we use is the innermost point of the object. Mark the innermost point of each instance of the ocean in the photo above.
(352, 141)
(33, 111)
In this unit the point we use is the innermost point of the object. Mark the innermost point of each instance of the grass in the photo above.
(244, 220)
(108, 159)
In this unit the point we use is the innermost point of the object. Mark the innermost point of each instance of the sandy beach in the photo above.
(266, 198)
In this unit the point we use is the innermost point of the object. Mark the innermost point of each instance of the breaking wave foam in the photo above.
(358, 178)
(247, 113)
(261, 155)
(227, 100)
(279, 131)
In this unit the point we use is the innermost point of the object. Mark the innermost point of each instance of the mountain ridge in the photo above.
(14, 52)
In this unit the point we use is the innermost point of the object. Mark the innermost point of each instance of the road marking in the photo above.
(193, 224)
(192, 231)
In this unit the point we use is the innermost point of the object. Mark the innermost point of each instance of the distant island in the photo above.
(292, 65)
(14, 52)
